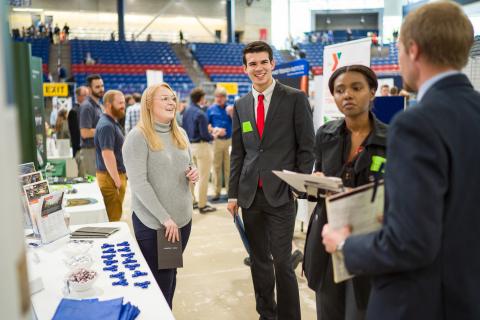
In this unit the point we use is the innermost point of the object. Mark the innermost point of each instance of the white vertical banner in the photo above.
(336, 56)
(154, 77)
(317, 102)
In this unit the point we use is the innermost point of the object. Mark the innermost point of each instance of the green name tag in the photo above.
(377, 162)
(247, 127)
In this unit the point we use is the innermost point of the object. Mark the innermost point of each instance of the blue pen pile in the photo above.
(109, 257)
(93, 309)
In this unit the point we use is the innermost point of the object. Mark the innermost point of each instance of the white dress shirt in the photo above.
(430, 82)
(266, 100)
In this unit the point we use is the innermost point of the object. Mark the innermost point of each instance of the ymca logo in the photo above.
(336, 58)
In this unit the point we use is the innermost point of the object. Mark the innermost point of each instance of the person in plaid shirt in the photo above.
(133, 114)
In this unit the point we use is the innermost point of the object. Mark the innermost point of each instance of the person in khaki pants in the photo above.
(195, 123)
(221, 124)
(108, 141)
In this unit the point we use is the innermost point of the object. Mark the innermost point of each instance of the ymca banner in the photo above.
(334, 57)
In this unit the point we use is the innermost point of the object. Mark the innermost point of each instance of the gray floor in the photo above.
(214, 283)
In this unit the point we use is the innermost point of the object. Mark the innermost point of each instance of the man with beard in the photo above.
(90, 112)
(108, 141)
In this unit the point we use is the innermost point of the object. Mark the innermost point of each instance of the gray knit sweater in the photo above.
(157, 179)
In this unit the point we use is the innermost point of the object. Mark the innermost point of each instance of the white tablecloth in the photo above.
(91, 213)
(53, 270)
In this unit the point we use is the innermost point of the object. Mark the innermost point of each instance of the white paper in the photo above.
(354, 208)
(299, 180)
(50, 218)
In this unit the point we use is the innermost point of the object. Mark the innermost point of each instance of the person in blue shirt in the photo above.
(221, 123)
(195, 123)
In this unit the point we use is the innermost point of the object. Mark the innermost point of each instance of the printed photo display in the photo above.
(31, 178)
(36, 190)
(25, 168)
(52, 203)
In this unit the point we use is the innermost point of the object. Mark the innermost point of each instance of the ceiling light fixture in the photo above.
(27, 10)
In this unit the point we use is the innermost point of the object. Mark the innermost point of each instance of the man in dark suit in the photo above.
(272, 130)
(425, 260)
(81, 93)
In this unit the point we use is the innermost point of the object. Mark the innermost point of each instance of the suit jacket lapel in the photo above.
(250, 107)
(277, 96)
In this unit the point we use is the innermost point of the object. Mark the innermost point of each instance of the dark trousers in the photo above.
(270, 232)
(147, 241)
(336, 301)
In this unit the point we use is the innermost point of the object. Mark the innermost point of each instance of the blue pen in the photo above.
(122, 282)
(110, 262)
(113, 268)
(127, 261)
(120, 275)
(138, 273)
(132, 266)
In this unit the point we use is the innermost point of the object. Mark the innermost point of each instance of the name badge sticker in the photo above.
(377, 162)
(247, 127)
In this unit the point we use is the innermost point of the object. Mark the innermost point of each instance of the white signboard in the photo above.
(154, 77)
(317, 102)
(381, 82)
(336, 56)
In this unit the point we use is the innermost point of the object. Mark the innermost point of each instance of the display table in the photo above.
(90, 213)
(51, 268)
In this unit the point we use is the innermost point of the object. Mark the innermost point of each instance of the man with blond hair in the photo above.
(221, 123)
(108, 140)
(425, 259)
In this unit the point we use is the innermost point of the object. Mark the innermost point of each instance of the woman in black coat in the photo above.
(344, 148)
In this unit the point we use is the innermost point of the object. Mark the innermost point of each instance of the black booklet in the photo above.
(169, 254)
(93, 232)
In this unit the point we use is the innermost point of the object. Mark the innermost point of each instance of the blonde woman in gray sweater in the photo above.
(159, 166)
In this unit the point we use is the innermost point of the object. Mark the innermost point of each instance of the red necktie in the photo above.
(260, 123)
(260, 115)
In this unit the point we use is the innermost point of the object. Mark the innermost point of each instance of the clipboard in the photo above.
(360, 208)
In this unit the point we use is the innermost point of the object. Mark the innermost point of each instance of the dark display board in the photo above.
(385, 108)
(38, 109)
(29, 100)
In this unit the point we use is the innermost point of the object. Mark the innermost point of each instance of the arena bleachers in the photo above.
(41, 49)
(223, 63)
(122, 64)
(388, 65)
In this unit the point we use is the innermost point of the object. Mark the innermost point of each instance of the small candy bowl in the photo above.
(81, 261)
(76, 247)
(81, 279)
